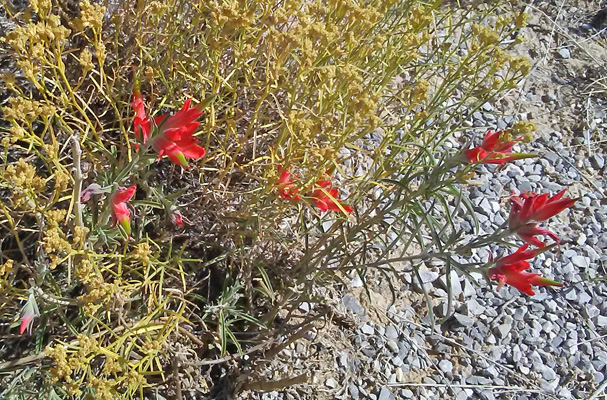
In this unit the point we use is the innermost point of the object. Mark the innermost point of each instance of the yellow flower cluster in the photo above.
(230, 15)
(485, 35)
(24, 183)
(62, 368)
(97, 291)
(420, 19)
(41, 6)
(152, 347)
(135, 379)
(56, 216)
(142, 252)
(9, 80)
(91, 15)
(111, 366)
(54, 244)
(104, 388)
(303, 125)
(16, 133)
(6, 268)
(80, 234)
(520, 64)
(32, 39)
(22, 109)
(524, 129)
(86, 60)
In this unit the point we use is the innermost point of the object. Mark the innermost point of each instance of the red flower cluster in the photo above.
(324, 194)
(495, 149)
(173, 135)
(529, 208)
(510, 270)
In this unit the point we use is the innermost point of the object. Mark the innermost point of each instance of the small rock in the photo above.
(391, 332)
(601, 321)
(548, 373)
(456, 287)
(463, 320)
(571, 295)
(391, 344)
(478, 380)
(580, 261)
(597, 161)
(353, 391)
(400, 375)
(356, 282)
(446, 366)
(351, 303)
(396, 361)
(331, 383)
(367, 329)
(427, 277)
(474, 307)
(385, 394)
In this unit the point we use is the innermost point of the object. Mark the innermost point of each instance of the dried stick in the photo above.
(77, 171)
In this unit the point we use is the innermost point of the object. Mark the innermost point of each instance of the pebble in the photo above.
(446, 366)
(385, 394)
(351, 303)
(597, 161)
(354, 393)
(427, 277)
(391, 332)
(463, 320)
(391, 344)
(367, 329)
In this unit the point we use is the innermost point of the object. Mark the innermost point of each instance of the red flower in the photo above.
(28, 313)
(530, 207)
(285, 185)
(494, 150)
(177, 218)
(141, 124)
(120, 210)
(510, 270)
(173, 134)
(537, 207)
(528, 232)
(325, 198)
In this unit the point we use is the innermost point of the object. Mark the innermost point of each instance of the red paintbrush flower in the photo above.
(120, 210)
(537, 207)
(141, 124)
(177, 218)
(325, 198)
(28, 313)
(285, 185)
(509, 270)
(529, 208)
(494, 150)
(528, 232)
(169, 135)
